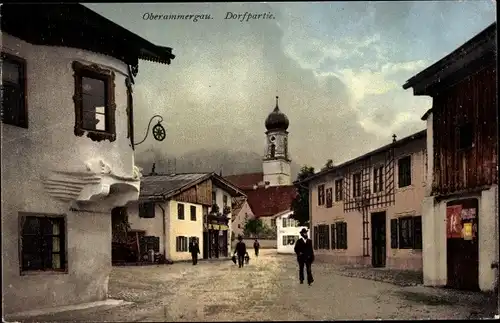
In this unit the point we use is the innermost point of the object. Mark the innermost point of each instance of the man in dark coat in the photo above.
(305, 256)
(240, 251)
(256, 247)
(194, 249)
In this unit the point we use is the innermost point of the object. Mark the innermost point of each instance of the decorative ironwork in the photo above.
(158, 131)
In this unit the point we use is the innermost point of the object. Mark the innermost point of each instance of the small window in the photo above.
(339, 190)
(356, 184)
(378, 179)
(285, 222)
(239, 226)
(224, 200)
(321, 194)
(147, 210)
(193, 213)
(329, 197)
(180, 211)
(273, 150)
(406, 233)
(181, 244)
(14, 91)
(94, 102)
(43, 246)
(404, 171)
(466, 136)
(341, 234)
(289, 240)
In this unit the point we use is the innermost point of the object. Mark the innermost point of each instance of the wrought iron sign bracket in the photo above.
(158, 130)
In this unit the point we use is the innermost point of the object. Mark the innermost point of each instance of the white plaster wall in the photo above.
(153, 226)
(434, 239)
(287, 231)
(186, 228)
(275, 169)
(50, 144)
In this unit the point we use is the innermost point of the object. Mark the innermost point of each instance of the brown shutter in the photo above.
(344, 235)
(315, 233)
(417, 234)
(394, 233)
(332, 229)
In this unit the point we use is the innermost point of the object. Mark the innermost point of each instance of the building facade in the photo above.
(460, 208)
(67, 150)
(288, 231)
(240, 217)
(367, 211)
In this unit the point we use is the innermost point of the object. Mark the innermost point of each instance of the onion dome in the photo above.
(277, 120)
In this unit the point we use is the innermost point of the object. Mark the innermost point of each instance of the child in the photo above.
(247, 258)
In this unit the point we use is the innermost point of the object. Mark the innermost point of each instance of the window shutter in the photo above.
(394, 233)
(417, 236)
(315, 229)
(345, 234)
(327, 236)
(176, 244)
(332, 229)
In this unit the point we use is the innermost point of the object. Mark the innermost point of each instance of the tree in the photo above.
(329, 164)
(300, 205)
(254, 227)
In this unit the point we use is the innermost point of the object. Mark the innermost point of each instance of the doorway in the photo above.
(462, 256)
(205, 244)
(379, 247)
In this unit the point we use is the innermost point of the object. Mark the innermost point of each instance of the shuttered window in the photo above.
(315, 229)
(394, 233)
(417, 236)
(332, 230)
(341, 231)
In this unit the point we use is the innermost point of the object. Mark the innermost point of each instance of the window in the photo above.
(406, 233)
(356, 185)
(329, 197)
(181, 244)
(321, 194)
(130, 112)
(404, 171)
(14, 91)
(339, 195)
(341, 235)
(289, 240)
(94, 102)
(180, 211)
(394, 234)
(323, 236)
(273, 150)
(214, 198)
(147, 210)
(378, 179)
(465, 136)
(42, 244)
(239, 226)
(417, 232)
(193, 213)
(285, 222)
(224, 200)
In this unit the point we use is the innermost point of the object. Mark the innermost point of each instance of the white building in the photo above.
(288, 232)
(67, 150)
(174, 208)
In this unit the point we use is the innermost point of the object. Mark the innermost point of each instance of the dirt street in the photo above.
(266, 289)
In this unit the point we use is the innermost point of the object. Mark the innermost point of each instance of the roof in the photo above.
(164, 186)
(271, 200)
(419, 135)
(74, 25)
(246, 181)
(276, 120)
(476, 48)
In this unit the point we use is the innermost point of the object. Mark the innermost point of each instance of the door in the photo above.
(205, 244)
(378, 239)
(462, 257)
(223, 252)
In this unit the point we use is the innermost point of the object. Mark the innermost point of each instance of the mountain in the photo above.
(203, 160)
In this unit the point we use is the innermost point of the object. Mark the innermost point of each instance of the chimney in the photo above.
(394, 138)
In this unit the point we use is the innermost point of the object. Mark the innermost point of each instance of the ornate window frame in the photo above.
(94, 71)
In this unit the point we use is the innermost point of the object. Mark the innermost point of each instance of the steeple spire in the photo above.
(277, 108)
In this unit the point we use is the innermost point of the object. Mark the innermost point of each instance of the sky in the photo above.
(338, 68)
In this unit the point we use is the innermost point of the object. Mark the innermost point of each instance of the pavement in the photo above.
(267, 290)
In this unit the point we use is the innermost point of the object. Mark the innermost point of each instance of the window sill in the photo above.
(24, 126)
(405, 188)
(43, 272)
(96, 135)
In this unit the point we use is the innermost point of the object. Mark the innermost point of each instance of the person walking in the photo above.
(256, 247)
(194, 249)
(305, 256)
(240, 251)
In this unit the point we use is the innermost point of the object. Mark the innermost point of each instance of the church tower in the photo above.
(276, 163)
